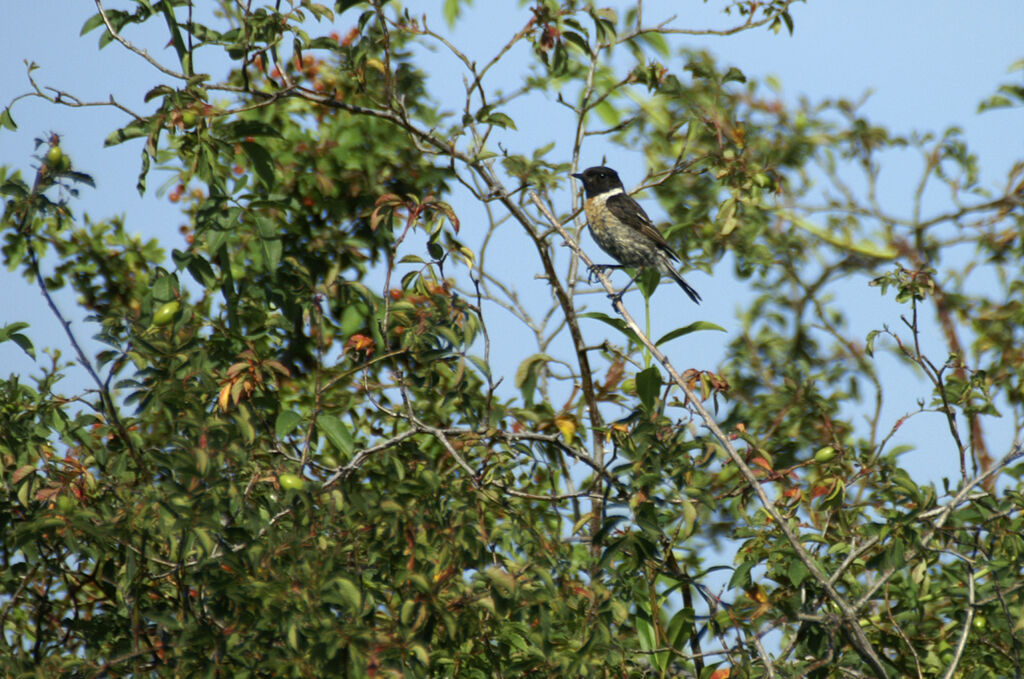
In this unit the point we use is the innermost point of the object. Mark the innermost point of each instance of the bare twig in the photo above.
(132, 48)
(965, 629)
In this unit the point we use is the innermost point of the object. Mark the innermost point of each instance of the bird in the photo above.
(624, 231)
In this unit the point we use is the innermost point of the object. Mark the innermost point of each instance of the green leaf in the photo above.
(797, 571)
(609, 114)
(789, 21)
(680, 628)
(11, 328)
(902, 480)
(648, 281)
(158, 91)
(166, 288)
(238, 130)
(878, 251)
(480, 365)
(262, 163)
(271, 245)
(687, 329)
(577, 40)
(342, 5)
(734, 75)
(500, 119)
(352, 318)
(140, 184)
(559, 59)
(648, 386)
(337, 433)
(133, 130)
(93, 22)
(10, 332)
(993, 102)
(6, 120)
(350, 594)
(741, 576)
(614, 322)
(202, 272)
(503, 582)
(869, 343)
(528, 373)
(451, 11)
(645, 631)
(420, 654)
(14, 187)
(286, 422)
(657, 41)
(727, 216)
(25, 343)
(605, 20)
(167, 9)
(80, 178)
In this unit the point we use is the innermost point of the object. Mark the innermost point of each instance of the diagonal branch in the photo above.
(108, 406)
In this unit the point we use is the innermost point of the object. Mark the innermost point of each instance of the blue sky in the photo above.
(927, 63)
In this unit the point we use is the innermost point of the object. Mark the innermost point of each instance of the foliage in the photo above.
(283, 467)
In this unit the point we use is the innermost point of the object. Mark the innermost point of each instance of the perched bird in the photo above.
(623, 230)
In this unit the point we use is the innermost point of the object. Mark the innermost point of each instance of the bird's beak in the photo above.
(578, 176)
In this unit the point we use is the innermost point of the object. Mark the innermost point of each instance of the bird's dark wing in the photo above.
(629, 212)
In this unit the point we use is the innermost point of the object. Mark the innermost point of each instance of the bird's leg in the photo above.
(618, 295)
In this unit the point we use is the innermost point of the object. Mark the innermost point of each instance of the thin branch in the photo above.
(132, 48)
(769, 667)
(965, 630)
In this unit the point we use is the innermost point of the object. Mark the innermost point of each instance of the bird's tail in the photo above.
(687, 288)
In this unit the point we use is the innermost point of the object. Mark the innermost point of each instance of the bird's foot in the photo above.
(596, 269)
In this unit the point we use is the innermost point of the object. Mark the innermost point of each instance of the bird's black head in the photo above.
(598, 180)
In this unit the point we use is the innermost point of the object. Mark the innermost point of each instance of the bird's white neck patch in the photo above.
(611, 192)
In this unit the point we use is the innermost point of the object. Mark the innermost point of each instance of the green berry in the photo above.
(166, 313)
(290, 481)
